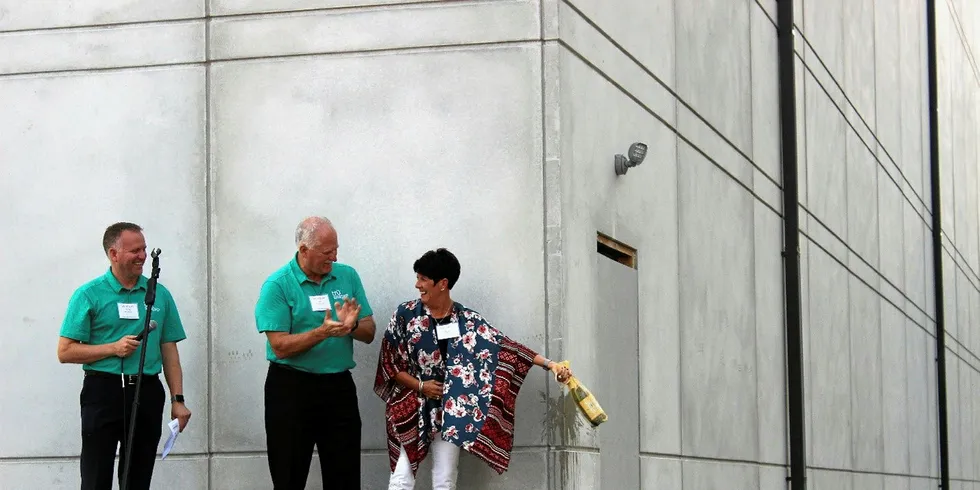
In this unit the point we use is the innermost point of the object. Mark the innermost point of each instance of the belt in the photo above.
(287, 368)
(129, 379)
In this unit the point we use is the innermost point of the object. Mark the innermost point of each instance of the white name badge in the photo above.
(128, 311)
(320, 303)
(447, 331)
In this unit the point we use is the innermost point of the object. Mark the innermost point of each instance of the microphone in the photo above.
(153, 326)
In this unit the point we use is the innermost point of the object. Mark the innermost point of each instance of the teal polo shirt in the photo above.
(284, 305)
(97, 314)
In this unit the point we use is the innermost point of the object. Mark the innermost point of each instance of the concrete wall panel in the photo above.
(772, 477)
(949, 303)
(20, 15)
(913, 121)
(958, 155)
(528, 469)
(974, 328)
(709, 474)
(897, 483)
(418, 25)
(803, 83)
(919, 384)
(974, 439)
(288, 147)
(657, 473)
(967, 434)
(639, 209)
(236, 7)
(829, 363)
(933, 407)
(862, 204)
(135, 139)
(770, 336)
(859, 58)
(766, 139)
(955, 419)
(806, 249)
(575, 470)
(914, 241)
(63, 475)
(969, 244)
(713, 66)
(944, 65)
(826, 168)
(866, 481)
(930, 275)
(80, 49)
(963, 317)
(612, 63)
(891, 230)
(824, 28)
(887, 82)
(644, 28)
(895, 401)
(866, 376)
(718, 378)
(830, 480)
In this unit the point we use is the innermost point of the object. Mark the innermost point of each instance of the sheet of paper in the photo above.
(174, 426)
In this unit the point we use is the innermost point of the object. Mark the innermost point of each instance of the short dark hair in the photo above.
(113, 232)
(438, 264)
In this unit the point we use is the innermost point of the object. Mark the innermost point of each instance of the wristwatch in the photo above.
(356, 323)
(177, 399)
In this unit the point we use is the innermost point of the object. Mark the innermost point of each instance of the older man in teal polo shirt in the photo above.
(99, 331)
(311, 311)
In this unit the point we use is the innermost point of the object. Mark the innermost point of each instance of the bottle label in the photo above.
(591, 406)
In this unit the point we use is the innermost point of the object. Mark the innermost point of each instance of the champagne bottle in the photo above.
(585, 400)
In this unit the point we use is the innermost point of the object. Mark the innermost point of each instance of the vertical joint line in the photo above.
(208, 207)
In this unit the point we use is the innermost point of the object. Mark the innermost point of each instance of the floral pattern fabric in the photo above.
(482, 374)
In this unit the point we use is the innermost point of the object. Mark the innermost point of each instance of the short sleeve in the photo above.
(359, 295)
(77, 324)
(271, 310)
(173, 328)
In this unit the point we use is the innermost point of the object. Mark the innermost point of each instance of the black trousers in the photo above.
(303, 410)
(106, 411)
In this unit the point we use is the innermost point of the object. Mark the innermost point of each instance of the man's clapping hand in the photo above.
(347, 314)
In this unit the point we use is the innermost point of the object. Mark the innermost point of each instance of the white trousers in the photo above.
(445, 459)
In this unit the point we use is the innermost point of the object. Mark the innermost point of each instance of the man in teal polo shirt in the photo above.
(99, 331)
(311, 311)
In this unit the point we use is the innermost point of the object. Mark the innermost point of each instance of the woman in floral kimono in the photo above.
(449, 380)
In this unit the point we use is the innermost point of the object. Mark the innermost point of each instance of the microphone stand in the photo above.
(151, 294)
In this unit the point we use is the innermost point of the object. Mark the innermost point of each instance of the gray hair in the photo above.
(306, 230)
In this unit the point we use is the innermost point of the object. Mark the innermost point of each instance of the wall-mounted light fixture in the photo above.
(637, 152)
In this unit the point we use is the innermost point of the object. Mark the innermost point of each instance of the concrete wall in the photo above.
(699, 85)
(959, 99)
(218, 128)
(703, 213)
(868, 316)
(490, 127)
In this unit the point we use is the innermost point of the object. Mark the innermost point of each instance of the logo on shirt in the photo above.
(337, 294)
